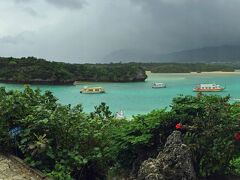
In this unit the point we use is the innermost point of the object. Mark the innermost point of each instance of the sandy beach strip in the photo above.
(217, 73)
(197, 73)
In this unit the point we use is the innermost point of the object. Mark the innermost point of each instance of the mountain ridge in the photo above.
(224, 53)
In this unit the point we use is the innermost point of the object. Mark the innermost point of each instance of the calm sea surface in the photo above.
(140, 98)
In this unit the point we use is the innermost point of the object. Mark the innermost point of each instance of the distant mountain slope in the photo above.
(131, 55)
(207, 54)
(225, 53)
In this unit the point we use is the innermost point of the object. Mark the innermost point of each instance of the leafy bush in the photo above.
(55, 137)
(235, 166)
(60, 172)
(210, 126)
(5, 141)
(141, 138)
(66, 143)
(15, 105)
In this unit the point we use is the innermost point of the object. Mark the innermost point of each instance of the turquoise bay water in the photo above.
(140, 98)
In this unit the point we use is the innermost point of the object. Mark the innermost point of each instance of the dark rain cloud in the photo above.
(184, 24)
(10, 40)
(22, 1)
(105, 26)
(31, 12)
(72, 4)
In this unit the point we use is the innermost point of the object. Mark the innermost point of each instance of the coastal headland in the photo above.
(31, 70)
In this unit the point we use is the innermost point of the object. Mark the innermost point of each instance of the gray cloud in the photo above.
(71, 4)
(9, 40)
(192, 23)
(16, 39)
(31, 11)
(152, 26)
(22, 1)
(27, 7)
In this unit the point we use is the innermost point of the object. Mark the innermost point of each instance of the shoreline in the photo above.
(67, 82)
(33, 82)
(199, 73)
(217, 72)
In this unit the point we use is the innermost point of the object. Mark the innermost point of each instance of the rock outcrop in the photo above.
(12, 168)
(173, 163)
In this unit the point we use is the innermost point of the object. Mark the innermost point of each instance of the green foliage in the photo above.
(16, 105)
(55, 137)
(73, 139)
(5, 140)
(102, 112)
(66, 143)
(210, 127)
(60, 172)
(141, 138)
(235, 166)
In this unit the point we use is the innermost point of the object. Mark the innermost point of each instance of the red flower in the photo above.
(237, 136)
(179, 126)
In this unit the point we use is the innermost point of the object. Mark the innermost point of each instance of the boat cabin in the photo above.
(158, 85)
(208, 87)
(92, 90)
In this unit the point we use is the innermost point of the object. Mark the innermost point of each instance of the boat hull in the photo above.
(158, 85)
(155, 87)
(208, 90)
(84, 92)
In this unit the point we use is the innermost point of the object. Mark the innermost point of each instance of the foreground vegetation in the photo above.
(66, 143)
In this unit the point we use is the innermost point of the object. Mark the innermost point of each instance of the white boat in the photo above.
(120, 115)
(159, 85)
(208, 88)
(77, 83)
(92, 90)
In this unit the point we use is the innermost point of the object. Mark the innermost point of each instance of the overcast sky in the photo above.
(88, 30)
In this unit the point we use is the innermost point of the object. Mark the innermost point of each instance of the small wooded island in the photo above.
(31, 70)
(39, 71)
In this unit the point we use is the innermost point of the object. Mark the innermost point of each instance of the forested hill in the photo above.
(39, 71)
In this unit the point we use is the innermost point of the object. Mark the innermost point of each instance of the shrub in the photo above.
(66, 143)
(141, 138)
(55, 139)
(210, 128)
(235, 166)
(15, 105)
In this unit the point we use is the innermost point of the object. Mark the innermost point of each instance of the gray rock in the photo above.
(173, 163)
(13, 170)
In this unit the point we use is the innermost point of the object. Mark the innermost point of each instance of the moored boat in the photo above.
(77, 83)
(92, 90)
(208, 88)
(159, 85)
(120, 115)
